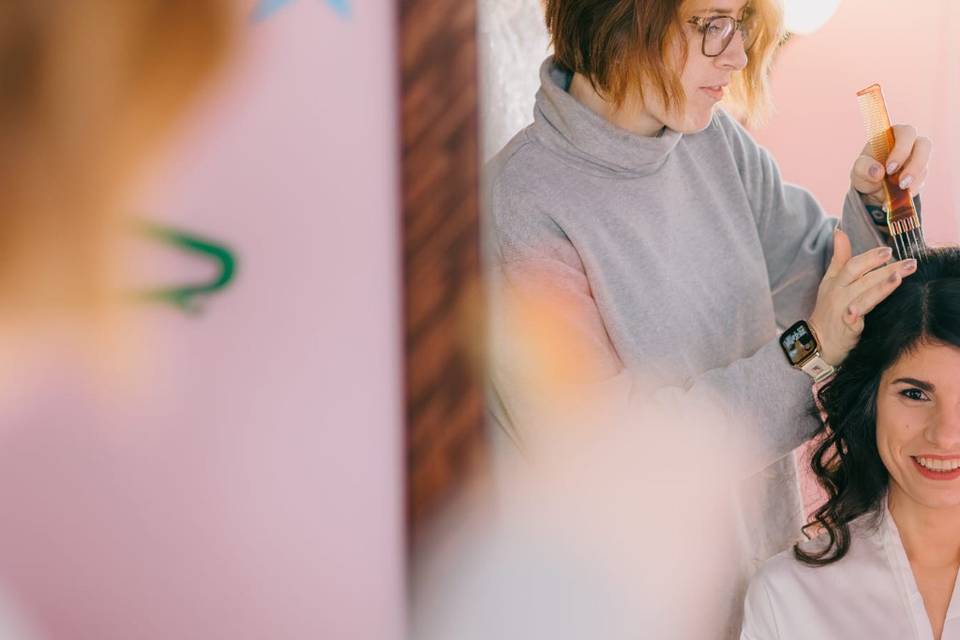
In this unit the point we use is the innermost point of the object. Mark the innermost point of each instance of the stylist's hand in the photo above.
(851, 288)
(908, 162)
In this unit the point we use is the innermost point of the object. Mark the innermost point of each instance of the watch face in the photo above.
(797, 343)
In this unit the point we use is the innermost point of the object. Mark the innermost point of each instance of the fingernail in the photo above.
(909, 265)
(892, 167)
(886, 252)
(876, 171)
(906, 182)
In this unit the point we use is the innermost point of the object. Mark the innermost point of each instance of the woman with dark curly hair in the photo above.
(885, 562)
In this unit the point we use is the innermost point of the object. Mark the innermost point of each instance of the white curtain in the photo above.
(513, 42)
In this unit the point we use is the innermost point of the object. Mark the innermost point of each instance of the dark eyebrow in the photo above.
(920, 384)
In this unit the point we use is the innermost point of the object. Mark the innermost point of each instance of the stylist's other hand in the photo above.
(851, 288)
(907, 163)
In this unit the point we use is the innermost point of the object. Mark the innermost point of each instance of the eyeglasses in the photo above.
(718, 32)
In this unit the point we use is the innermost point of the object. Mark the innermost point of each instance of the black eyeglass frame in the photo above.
(742, 25)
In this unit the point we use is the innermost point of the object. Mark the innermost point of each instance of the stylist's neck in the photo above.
(930, 536)
(630, 116)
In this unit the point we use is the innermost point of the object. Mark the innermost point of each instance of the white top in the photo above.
(870, 593)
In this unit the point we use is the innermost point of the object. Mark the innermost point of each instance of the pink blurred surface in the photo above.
(247, 481)
(913, 51)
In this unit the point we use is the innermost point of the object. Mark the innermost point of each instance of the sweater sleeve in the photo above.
(759, 402)
(796, 234)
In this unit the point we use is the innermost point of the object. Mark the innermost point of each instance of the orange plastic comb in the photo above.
(902, 219)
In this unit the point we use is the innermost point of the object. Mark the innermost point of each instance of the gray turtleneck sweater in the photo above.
(682, 257)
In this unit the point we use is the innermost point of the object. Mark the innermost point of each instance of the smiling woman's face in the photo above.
(918, 425)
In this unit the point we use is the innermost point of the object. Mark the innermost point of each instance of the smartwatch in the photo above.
(800, 345)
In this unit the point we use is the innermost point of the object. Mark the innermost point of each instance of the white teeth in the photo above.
(939, 465)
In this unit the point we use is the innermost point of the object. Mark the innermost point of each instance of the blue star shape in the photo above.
(266, 8)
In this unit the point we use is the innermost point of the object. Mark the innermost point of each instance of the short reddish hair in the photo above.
(622, 46)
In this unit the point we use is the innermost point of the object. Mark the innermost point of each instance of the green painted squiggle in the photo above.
(188, 297)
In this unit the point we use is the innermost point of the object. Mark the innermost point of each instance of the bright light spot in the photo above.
(806, 16)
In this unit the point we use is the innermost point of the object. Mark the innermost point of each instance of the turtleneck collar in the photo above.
(570, 128)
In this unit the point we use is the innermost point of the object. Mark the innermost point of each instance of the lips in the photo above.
(937, 467)
(714, 91)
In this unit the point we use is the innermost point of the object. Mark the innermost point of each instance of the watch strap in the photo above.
(817, 368)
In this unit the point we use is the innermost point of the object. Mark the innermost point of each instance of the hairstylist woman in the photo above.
(669, 237)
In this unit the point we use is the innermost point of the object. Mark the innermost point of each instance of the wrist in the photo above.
(822, 349)
(872, 199)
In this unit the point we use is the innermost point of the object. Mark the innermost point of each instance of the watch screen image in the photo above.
(798, 343)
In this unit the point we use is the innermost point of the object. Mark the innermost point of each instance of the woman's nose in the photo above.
(944, 429)
(734, 56)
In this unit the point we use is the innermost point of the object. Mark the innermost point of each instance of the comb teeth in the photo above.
(902, 219)
(873, 109)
